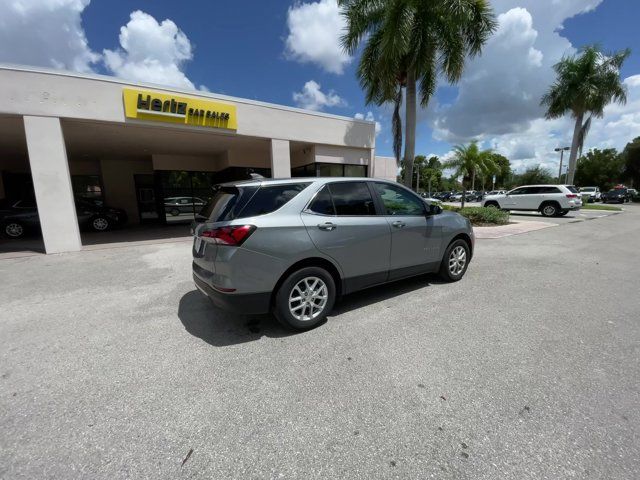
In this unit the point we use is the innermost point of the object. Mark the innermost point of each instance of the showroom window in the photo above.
(87, 186)
(329, 170)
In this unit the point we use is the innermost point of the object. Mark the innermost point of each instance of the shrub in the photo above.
(481, 215)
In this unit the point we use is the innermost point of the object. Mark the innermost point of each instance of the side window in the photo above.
(352, 198)
(322, 202)
(549, 190)
(518, 191)
(270, 198)
(533, 190)
(397, 201)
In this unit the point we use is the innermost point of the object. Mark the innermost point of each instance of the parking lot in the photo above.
(114, 366)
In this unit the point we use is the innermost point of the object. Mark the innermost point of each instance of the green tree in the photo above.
(600, 168)
(503, 169)
(468, 161)
(585, 84)
(410, 44)
(533, 176)
(630, 158)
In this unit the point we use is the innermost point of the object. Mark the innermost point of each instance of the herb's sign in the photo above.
(155, 106)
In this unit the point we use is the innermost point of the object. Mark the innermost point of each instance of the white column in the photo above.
(372, 162)
(52, 184)
(280, 159)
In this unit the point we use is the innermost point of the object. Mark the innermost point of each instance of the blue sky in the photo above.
(250, 49)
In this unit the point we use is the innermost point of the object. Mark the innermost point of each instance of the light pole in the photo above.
(561, 150)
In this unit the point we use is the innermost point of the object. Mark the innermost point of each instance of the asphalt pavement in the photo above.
(114, 366)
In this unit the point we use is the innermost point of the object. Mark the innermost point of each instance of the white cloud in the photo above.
(370, 117)
(313, 98)
(499, 95)
(151, 52)
(314, 35)
(46, 33)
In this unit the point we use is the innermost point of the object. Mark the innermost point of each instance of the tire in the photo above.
(492, 205)
(449, 271)
(100, 224)
(13, 229)
(563, 212)
(549, 209)
(175, 212)
(300, 314)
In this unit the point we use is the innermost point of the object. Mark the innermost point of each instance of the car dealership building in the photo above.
(154, 151)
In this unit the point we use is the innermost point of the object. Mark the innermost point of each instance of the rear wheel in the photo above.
(305, 298)
(549, 209)
(175, 212)
(455, 261)
(14, 229)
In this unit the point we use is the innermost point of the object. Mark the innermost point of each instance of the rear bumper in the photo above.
(247, 304)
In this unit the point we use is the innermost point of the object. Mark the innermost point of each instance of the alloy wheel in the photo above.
(308, 298)
(14, 230)
(100, 224)
(457, 260)
(549, 210)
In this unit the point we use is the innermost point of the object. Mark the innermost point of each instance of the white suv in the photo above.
(549, 200)
(592, 192)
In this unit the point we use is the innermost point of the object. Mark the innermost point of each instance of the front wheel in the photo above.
(455, 261)
(305, 298)
(14, 229)
(100, 224)
(492, 205)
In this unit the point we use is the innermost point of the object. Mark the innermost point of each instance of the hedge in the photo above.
(480, 216)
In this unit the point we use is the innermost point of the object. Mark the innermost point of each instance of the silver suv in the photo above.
(293, 246)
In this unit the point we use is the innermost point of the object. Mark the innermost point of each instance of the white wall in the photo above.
(385, 168)
(333, 154)
(67, 95)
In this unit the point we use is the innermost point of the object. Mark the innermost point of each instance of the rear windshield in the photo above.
(242, 202)
(588, 189)
(572, 189)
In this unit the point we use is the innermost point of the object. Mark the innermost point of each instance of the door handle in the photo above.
(398, 224)
(327, 226)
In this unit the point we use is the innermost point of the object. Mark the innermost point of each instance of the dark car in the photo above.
(619, 195)
(22, 217)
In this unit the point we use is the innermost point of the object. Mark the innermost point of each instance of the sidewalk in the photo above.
(515, 228)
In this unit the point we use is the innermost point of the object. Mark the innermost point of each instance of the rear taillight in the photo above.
(572, 195)
(233, 235)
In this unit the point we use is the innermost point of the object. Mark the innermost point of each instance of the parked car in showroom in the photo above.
(549, 200)
(294, 246)
(22, 217)
(618, 195)
(593, 193)
(177, 205)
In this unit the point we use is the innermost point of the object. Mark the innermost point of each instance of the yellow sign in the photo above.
(160, 107)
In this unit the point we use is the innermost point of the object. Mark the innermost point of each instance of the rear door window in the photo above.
(549, 190)
(352, 199)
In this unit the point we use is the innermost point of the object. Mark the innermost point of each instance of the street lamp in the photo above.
(561, 150)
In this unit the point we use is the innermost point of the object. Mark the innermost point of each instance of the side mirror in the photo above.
(434, 209)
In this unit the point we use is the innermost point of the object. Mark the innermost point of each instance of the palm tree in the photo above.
(585, 84)
(468, 161)
(409, 43)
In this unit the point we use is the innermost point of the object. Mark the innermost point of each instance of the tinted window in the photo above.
(352, 198)
(572, 189)
(227, 203)
(270, 198)
(397, 201)
(518, 191)
(549, 190)
(322, 202)
(25, 204)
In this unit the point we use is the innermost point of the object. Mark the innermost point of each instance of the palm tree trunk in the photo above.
(410, 129)
(574, 148)
(473, 179)
(464, 194)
